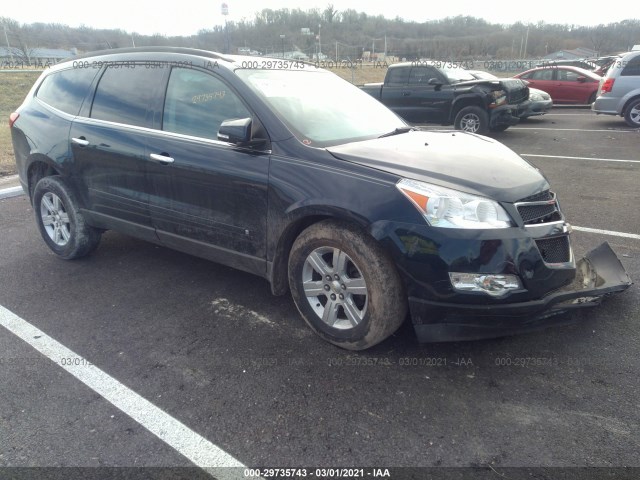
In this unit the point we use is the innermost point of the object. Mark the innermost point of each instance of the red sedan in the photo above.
(565, 84)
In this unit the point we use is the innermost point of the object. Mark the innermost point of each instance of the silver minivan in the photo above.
(619, 90)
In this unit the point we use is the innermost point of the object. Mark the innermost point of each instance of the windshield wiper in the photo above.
(398, 131)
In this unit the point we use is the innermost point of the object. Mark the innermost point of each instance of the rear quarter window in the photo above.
(66, 90)
(632, 68)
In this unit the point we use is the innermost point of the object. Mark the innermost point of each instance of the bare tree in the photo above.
(329, 13)
(599, 37)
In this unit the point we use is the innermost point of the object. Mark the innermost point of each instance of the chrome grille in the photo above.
(539, 208)
(554, 250)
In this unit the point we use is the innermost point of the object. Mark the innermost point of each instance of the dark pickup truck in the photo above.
(438, 92)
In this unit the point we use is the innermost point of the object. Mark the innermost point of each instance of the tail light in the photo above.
(607, 86)
(12, 118)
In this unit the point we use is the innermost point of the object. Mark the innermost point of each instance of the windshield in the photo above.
(319, 107)
(456, 75)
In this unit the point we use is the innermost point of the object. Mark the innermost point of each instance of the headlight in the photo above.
(446, 208)
(535, 96)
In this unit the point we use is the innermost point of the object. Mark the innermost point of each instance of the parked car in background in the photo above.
(295, 175)
(564, 84)
(539, 102)
(603, 63)
(445, 93)
(619, 92)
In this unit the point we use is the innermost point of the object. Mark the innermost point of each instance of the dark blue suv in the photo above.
(284, 170)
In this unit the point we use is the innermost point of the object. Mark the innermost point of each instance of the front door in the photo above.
(208, 197)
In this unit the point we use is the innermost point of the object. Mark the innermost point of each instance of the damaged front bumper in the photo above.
(508, 114)
(598, 274)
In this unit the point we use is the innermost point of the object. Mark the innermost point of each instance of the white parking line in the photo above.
(606, 232)
(196, 448)
(612, 130)
(579, 158)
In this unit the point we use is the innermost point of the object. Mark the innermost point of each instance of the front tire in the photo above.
(632, 113)
(345, 285)
(472, 119)
(60, 221)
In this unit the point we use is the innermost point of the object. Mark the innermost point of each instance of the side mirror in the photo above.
(237, 131)
(434, 81)
(581, 79)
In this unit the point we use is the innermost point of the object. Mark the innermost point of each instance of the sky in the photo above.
(186, 17)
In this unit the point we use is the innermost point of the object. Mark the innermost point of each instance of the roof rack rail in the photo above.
(184, 50)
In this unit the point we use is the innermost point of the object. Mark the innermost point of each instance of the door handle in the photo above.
(80, 141)
(161, 158)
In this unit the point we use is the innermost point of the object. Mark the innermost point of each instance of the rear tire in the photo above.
(345, 285)
(632, 113)
(472, 119)
(61, 224)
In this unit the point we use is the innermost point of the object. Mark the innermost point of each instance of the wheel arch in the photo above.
(40, 166)
(628, 102)
(301, 220)
(465, 101)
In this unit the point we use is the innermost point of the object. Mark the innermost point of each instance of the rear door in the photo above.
(208, 197)
(629, 78)
(393, 91)
(108, 146)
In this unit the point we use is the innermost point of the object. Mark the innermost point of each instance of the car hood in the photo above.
(454, 159)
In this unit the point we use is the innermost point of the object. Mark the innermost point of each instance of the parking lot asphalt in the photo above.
(212, 348)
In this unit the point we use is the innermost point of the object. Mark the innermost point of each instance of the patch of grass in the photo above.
(361, 74)
(14, 87)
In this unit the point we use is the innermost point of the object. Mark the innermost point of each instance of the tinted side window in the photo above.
(67, 89)
(632, 67)
(421, 75)
(542, 75)
(124, 94)
(397, 76)
(568, 76)
(197, 103)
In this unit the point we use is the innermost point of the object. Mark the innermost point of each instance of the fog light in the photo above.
(494, 285)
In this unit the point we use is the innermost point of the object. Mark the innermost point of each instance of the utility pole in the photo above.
(225, 12)
(385, 47)
(8, 46)
(525, 42)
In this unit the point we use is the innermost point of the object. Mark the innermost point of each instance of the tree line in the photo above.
(346, 34)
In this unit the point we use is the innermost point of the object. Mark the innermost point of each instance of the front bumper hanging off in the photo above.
(598, 274)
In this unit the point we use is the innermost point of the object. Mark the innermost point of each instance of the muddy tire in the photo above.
(472, 119)
(60, 221)
(345, 285)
